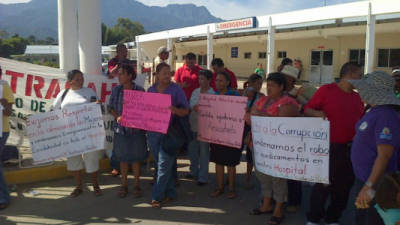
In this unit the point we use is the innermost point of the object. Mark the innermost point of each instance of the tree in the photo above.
(103, 33)
(123, 31)
(32, 39)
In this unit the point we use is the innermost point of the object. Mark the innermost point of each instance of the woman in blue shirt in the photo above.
(224, 155)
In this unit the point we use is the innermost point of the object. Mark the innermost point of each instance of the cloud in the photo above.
(231, 9)
(13, 1)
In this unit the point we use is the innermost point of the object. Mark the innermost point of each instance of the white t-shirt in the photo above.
(194, 100)
(74, 97)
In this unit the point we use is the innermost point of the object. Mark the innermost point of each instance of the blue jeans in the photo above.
(4, 195)
(164, 187)
(113, 161)
(154, 143)
(199, 155)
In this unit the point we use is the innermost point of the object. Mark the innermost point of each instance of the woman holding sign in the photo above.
(274, 104)
(129, 143)
(76, 94)
(224, 155)
(164, 147)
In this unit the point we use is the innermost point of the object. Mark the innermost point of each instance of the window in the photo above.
(247, 55)
(202, 60)
(357, 55)
(234, 52)
(327, 58)
(176, 57)
(388, 57)
(281, 54)
(262, 55)
(183, 57)
(315, 58)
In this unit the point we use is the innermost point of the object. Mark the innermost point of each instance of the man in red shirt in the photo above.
(187, 75)
(218, 66)
(343, 108)
(121, 57)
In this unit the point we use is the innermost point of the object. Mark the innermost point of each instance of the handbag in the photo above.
(174, 139)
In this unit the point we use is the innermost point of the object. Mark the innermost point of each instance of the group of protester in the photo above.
(355, 158)
(364, 141)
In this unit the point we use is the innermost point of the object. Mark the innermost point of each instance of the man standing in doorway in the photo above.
(218, 67)
(342, 106)
(396, 76)
(188, 75)
(260, 70)
(162, 56)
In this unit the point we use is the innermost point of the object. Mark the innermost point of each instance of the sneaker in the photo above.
(311, 223)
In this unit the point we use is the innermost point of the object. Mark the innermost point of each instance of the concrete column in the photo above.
(171, 52)
(89, 17)
(210, 47)
(138, 57)
(370, 42)
(68, 35)
(270, 47)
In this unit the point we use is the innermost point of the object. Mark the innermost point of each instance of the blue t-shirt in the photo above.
(389, 216)
(381, 125)
(230, 92)
(178, 97)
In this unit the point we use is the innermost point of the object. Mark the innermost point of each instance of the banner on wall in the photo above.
(35, 88)
(292, 148)
(221, 119)
(65, 132)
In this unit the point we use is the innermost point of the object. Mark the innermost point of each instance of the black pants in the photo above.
(341, 179)
(294, 192)
(366, 216)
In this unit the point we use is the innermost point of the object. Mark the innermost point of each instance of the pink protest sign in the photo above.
(147, 111)
(221, 119)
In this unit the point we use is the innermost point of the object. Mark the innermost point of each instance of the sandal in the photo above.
(155, 204)
(276, 220)
(217, 192)
(114, 173)
(165, 200)
(123, 191)
(76, 192)
(138, 192)
(232, 194)
(257, 212)
(97, 191)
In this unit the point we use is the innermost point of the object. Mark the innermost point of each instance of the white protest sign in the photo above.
(292, 148)
(35, 87)
(66, 132)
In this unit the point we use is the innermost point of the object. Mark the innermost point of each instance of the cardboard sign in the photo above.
(147, 111)
(292, 148)
(221, 119)
(66, 132)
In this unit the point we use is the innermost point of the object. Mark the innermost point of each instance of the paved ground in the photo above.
(49, 203)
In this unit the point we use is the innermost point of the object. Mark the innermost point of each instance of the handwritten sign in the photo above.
(67, 132)
(221, 119)
(292, 148)
(147, 111)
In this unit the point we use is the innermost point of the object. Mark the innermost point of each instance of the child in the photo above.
(388, 199)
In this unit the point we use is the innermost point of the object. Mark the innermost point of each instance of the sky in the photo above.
(231, 9)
